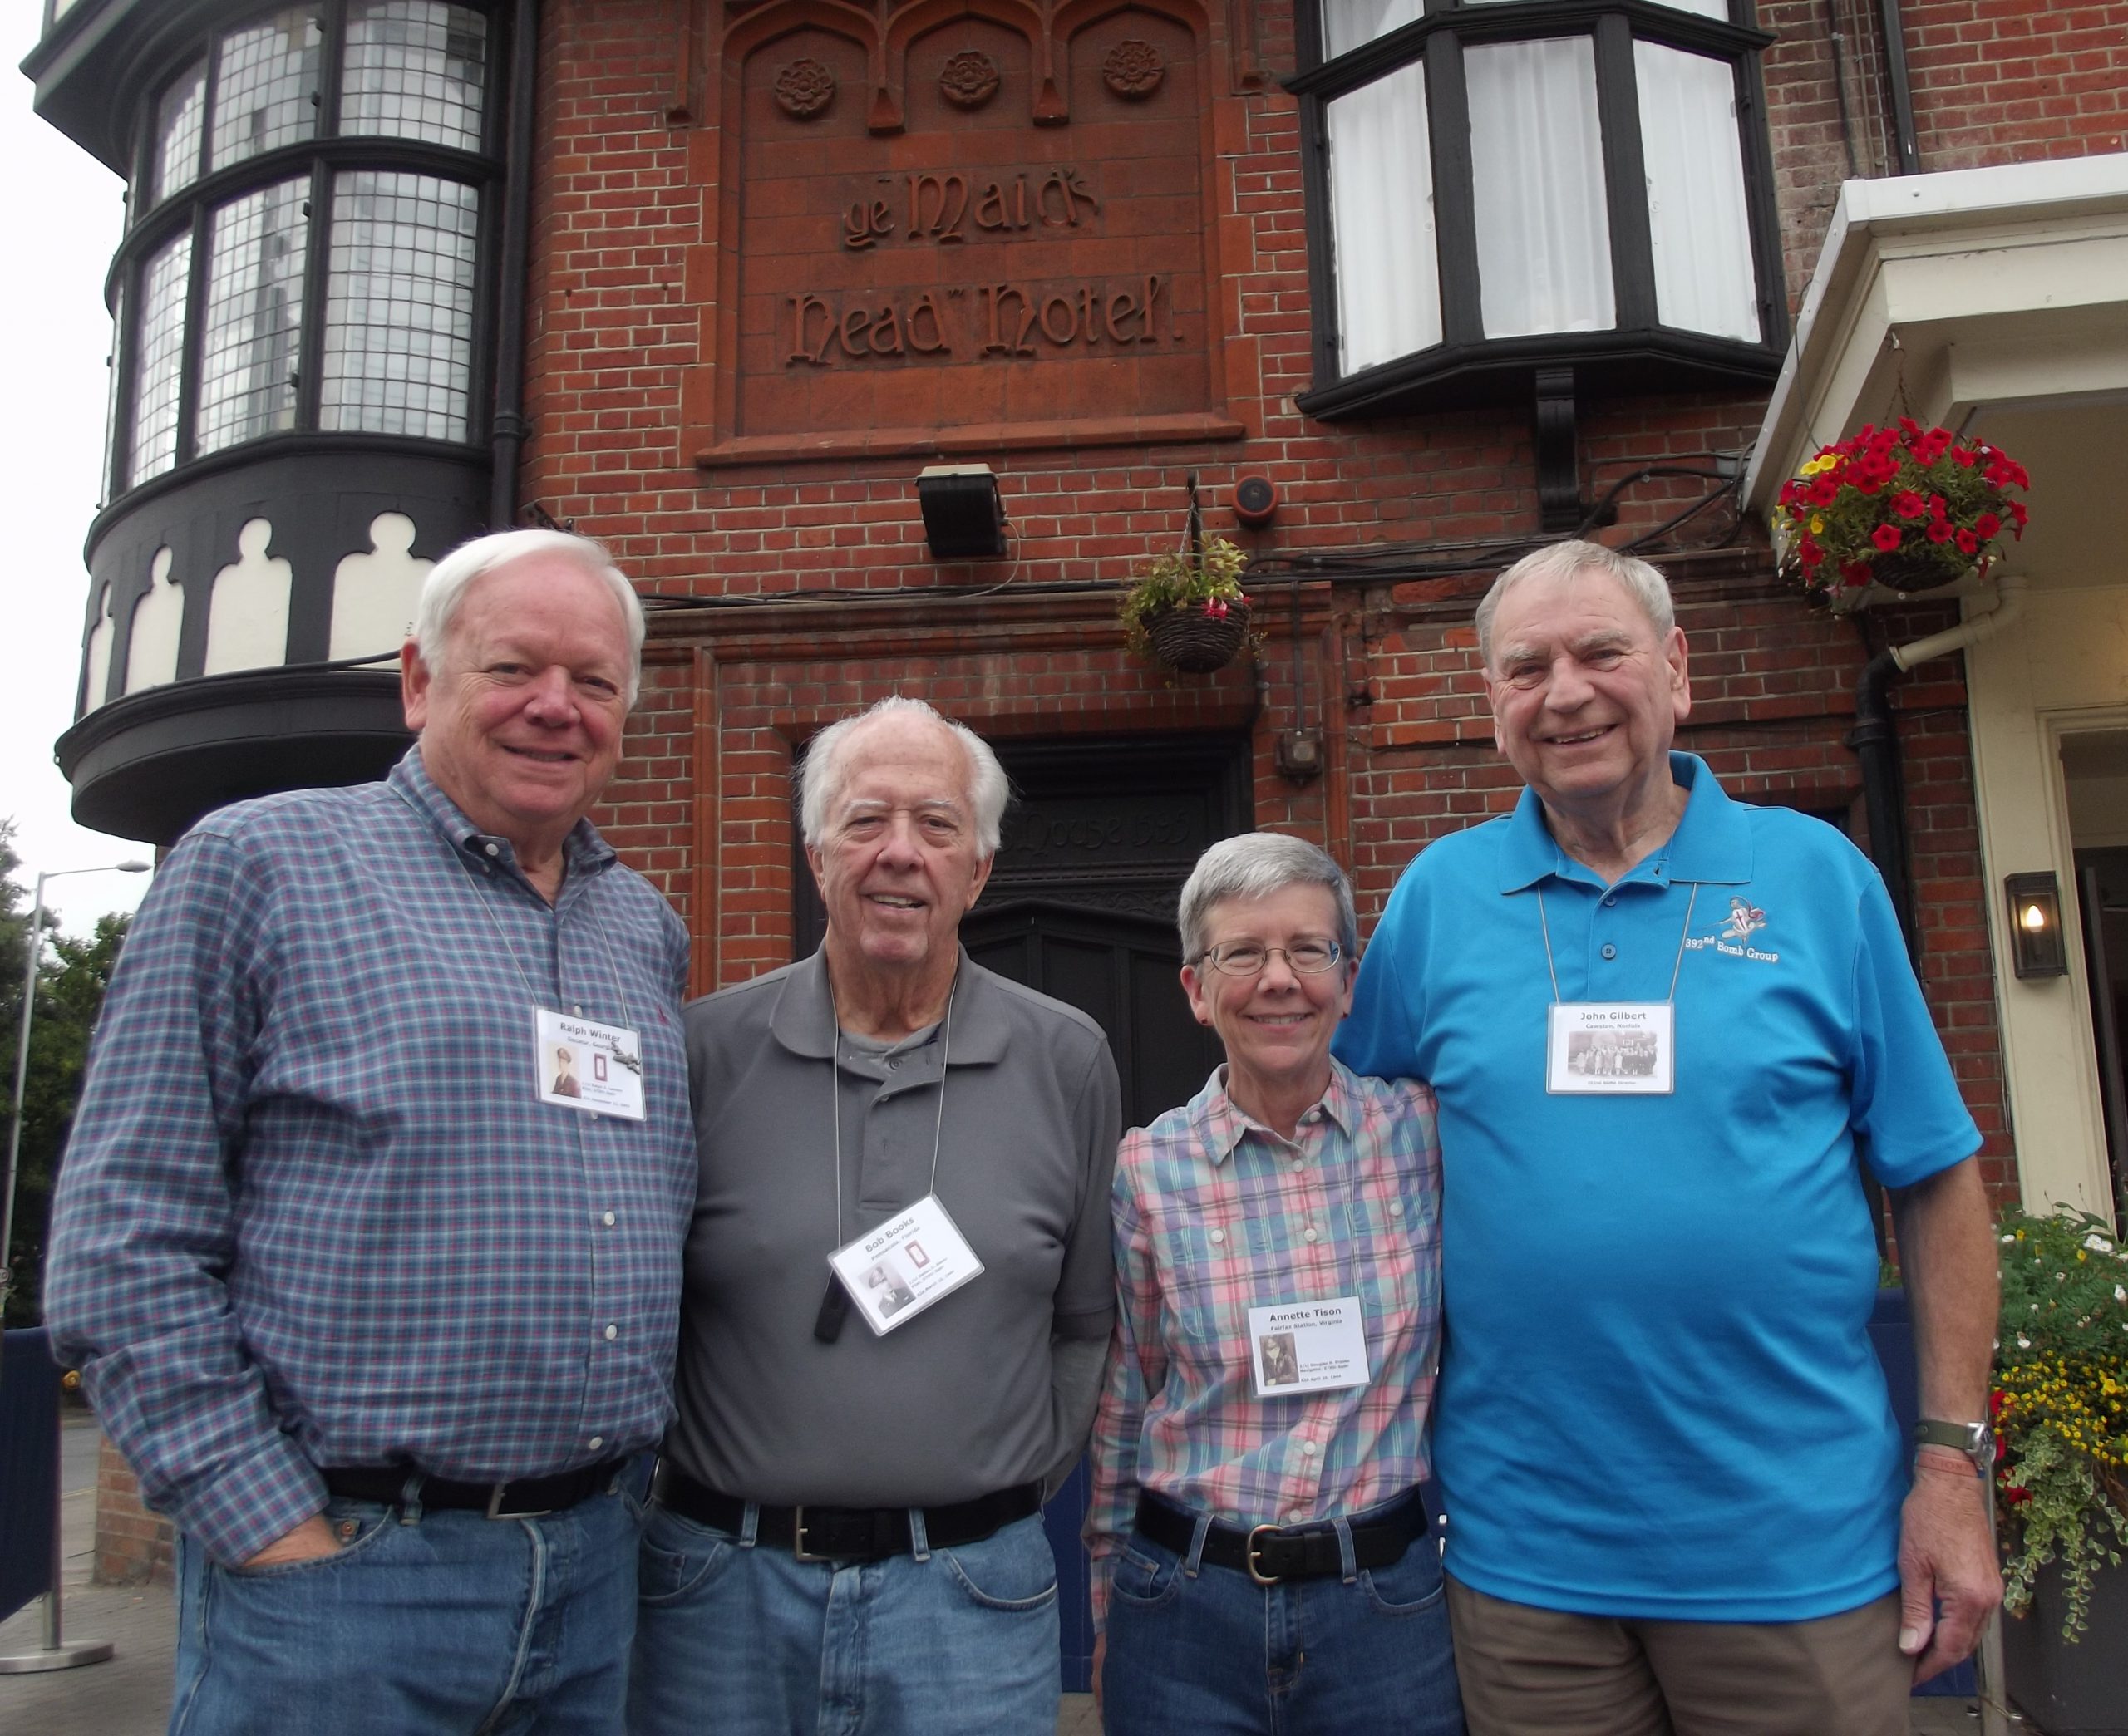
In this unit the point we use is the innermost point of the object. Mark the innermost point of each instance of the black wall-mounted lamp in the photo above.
(964, 518)
(2036, 926)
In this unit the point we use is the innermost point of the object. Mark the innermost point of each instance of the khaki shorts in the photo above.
(1531, 1672)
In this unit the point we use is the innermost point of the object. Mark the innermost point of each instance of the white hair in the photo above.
(823, 771)
(1254, 866)
(1643, 583)
(443, 592)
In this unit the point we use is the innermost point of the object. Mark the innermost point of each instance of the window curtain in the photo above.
(1381, 213)
(1696, 209)
(1346, 24)
(1537, 175)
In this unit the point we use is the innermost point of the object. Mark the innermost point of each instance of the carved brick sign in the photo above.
(976, 226)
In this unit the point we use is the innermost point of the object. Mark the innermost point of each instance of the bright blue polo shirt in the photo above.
(1657, 1396)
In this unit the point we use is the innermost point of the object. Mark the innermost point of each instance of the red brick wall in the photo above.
(133, 1545)
(631, 273)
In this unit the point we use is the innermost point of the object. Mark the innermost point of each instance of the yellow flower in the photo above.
(1823, 461)
(1817, 525)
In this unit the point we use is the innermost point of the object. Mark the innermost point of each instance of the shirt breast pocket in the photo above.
(1203, 1271)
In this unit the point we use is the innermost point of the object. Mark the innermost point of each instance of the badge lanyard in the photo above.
(1611, 1048)
(835, 1306)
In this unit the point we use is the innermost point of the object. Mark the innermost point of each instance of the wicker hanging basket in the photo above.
(1900, 571)
(1195, 643)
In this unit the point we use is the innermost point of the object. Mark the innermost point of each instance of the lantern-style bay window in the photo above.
(1516, 196)
(305, 245)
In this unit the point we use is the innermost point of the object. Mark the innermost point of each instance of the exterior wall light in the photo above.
(964, 518)
(2036, 926)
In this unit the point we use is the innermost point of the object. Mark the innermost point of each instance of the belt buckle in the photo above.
(1248, 1556)
(799, 1552)
(496, 1508)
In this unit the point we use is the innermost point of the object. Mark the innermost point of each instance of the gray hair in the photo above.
(443, 592)
(1643, 583)
(822, 774)
(1255, 865)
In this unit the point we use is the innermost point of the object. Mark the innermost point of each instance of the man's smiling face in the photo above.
(898, 862)
(1586, 696)
(520, 720)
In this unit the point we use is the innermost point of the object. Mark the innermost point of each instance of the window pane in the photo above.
(1537, 172)
(399, 305)
(178, 118)
(1348, 23)
(267, 84)
(1704, 277)
(1381, 215)
(1705, 8)
(254, 317)
(153, 448)
(416, 70)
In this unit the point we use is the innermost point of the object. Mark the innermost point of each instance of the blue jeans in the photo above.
(424, 1623)
(749, 1640)
(1207, 1651)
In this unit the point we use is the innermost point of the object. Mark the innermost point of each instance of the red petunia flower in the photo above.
(1886, 536)
(1986, 526)
(1939, 531)
(1967, 542)
(1908, 505)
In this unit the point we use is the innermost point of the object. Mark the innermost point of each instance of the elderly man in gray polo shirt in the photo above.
(847, 1531)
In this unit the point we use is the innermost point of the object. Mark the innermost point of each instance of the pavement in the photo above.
(129, 1694)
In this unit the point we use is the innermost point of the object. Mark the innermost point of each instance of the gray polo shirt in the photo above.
(992, 1387)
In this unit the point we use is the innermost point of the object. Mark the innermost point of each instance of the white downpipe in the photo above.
(2008, 591)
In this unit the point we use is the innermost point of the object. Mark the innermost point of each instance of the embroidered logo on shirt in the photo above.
(1746, 919)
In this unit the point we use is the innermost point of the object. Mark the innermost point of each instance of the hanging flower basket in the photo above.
(1198, 641)
(1905, 507)
(1188, 613)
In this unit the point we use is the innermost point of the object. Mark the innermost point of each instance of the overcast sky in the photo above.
(60, 211)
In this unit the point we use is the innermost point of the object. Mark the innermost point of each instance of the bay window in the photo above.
(1506, 193)
(307, 240)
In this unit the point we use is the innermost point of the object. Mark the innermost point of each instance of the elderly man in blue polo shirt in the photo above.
(376, 1311)
(1666, 1029)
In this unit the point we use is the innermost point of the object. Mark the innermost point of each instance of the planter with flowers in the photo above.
(1904, 507)
(2061, 1405)
(1188, 611)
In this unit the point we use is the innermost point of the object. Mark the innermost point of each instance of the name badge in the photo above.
(1308, 1347)
(582, 1065)
(895, 1273)
(1611, 1048)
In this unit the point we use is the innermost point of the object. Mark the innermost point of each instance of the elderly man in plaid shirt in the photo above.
(378, 1317)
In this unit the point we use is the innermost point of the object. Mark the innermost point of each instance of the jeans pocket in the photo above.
(1011, 1570)
(1411, 1585)
(678, 1557)
(356, 1524)
(1143, 1574)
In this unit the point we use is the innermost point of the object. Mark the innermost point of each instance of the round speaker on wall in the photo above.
(1255, 500)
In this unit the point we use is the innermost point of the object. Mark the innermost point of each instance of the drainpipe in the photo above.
(1875, 741)
(1903, 137)
(508, 439)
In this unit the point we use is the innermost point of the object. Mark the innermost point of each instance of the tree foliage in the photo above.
(72, 978)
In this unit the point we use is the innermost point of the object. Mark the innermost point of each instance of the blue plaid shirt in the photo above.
(313, 1212)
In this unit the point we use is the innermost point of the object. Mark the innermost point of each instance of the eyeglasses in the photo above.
(1245, 958)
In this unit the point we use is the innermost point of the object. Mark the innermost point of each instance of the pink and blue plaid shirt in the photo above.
(1216, 1214)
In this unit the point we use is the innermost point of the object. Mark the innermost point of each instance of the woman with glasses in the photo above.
(1262, 1560)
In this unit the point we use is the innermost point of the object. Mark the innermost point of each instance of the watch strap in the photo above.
(1975, 1440)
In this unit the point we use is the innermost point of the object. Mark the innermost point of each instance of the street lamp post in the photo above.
(33, 950)
(55, 1653)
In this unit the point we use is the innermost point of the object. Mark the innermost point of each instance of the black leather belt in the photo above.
(847, 1533)
(1269, 1553)
(528, 1498)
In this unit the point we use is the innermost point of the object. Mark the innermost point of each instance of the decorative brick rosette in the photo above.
(1133, 69)
(969, 80)
(804, 89)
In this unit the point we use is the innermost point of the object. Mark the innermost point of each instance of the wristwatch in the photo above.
(1976, 1440)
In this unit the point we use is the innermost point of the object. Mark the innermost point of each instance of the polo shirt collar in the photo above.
(1222, 1123)
(804, 1019)
(584, 851)
(1712, 842)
